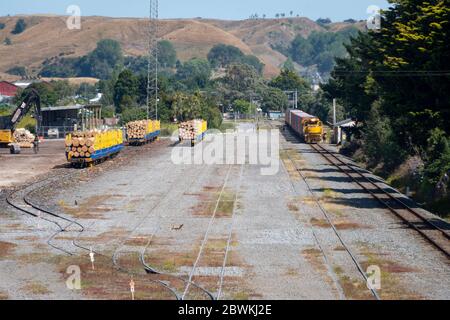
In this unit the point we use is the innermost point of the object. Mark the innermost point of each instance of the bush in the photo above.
(100, 63)
(17, 71)
(2, 26)
(380, 144)
(437, 162)
(133, 114)
(7, 42)
(20, 27)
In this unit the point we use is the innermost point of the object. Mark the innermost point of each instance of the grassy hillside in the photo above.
(48, 36)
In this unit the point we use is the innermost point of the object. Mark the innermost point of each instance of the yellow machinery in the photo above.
(8, 124)
(6, 137)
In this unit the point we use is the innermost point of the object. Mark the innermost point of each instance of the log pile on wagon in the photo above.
(137, 129)
(189, 130)
(81, 144)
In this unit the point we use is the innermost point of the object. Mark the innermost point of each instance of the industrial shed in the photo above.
(59, 121)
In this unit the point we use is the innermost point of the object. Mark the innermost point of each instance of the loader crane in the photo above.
(9, 123)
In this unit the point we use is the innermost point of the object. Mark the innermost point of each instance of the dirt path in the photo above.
(18, 169)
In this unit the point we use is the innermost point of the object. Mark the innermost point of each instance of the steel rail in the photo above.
(335, 230)
(230, 234)
(147, 268)
(320, 150)
(206, 236)
(10, 201)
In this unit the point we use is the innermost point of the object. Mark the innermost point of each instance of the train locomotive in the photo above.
(308, 127)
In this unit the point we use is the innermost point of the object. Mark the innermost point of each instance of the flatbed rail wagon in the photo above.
(194, 131)
(143, 131)
(86, 148)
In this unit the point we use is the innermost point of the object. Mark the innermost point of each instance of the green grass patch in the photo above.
(227, 126)
(167, 129)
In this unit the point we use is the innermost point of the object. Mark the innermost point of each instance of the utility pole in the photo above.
(334, 113)
(152, 70)
(335, 132)
(296, 99)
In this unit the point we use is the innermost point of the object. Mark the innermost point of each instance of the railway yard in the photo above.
(213, 232)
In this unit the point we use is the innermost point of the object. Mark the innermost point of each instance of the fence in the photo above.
(60, 131)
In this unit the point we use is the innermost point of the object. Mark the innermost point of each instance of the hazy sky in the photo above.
(337, 10)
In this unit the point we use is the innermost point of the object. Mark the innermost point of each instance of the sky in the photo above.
(337, 10)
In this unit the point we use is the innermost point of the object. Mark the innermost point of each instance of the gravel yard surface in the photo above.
(225, 228)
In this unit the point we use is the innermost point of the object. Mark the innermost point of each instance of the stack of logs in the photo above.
(189, 130)
(137, 129)
(24, 138)
(81, 145)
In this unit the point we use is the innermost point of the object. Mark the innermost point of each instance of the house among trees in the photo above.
(8, 90)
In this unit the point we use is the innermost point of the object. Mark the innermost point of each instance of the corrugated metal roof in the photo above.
(302, 114)
(74, 107)
(349, 123)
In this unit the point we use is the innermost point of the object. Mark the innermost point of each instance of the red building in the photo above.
(8, 89)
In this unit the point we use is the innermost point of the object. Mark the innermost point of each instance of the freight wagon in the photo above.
(91, 147)
(194, 130)
(142, 132)
(308, 127)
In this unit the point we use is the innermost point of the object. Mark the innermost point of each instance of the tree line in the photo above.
(395, 82)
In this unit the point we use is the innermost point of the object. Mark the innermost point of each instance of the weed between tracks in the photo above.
(354, 289)
(339, 224)
(6, 249)
(36, 288)
(105, 282)
(170, 261)
(314, 257)
(208, 202)
(92, 208)
(391, 287)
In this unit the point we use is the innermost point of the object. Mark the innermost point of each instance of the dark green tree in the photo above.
(20, 27)
(195, 73)
(125, 91)
(17, 71)
(290, 80)
(167, 54)
(273, 99)
(222, 55)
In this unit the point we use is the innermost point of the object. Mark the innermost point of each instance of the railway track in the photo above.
(429, 230)
(26, 206)
(230, 235)
(189, 283)
(150, 270)
(209, 231)
(21, 201)
(346, 247)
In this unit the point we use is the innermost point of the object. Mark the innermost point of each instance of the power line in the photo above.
(395, 73)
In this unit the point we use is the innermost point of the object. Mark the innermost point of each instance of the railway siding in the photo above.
(267, 239)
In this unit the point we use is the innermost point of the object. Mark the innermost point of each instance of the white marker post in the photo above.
(132, 289)
(39, 220)
(91, 255)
